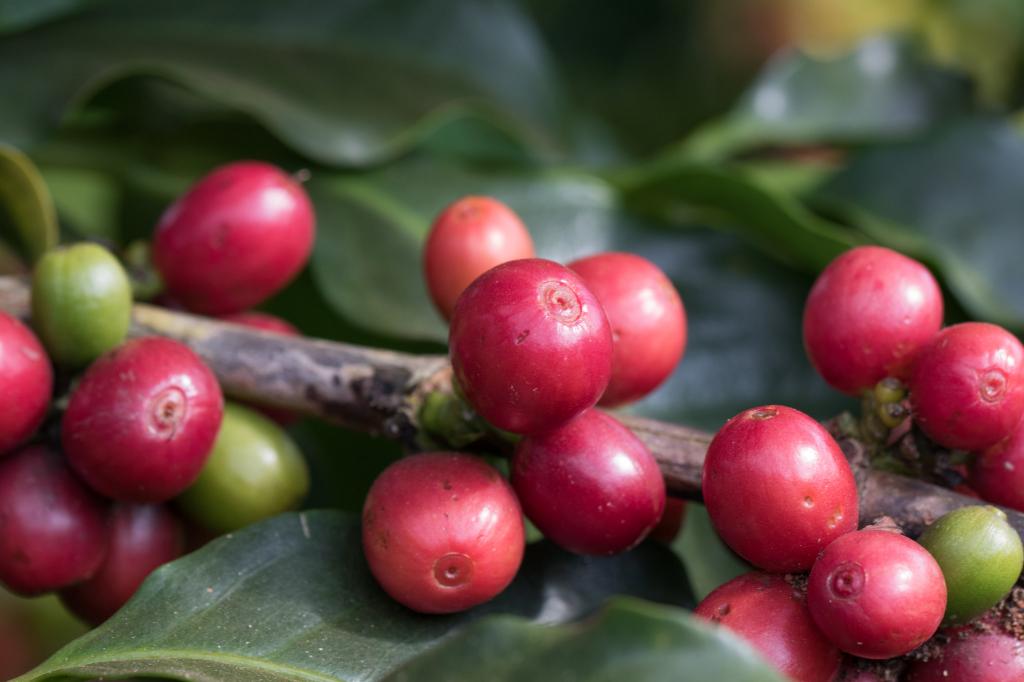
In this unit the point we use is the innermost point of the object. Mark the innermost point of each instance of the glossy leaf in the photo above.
(630, 640)
(343, 82)
(26, 201)
(954, 199)
(292, 599)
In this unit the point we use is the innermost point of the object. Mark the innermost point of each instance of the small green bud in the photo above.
(892, 414)
(890, 390)
(981, 558)
(81, 303)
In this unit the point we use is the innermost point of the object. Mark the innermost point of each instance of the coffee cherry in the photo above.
(141, 539)
(777, 488)
(81, 303)
(967, 386)
(442, 532)
(26, 382)
(141, 422)
(868, 313)
(530, 346)
(590, 486)
(771, 615)
(52, 528)
(973, 656)
(254, 472)
(876, 594)
(647, 318)
(235, 238)
(997, 474)
(468, 238)
(267, 323)
(981, 558)
(671, 521)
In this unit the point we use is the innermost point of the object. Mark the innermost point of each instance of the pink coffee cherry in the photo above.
(869, 311)
(967, 386)
(973, 656)
(26, 382)
(997, 474)
(647, 318)
(141, 423)
(442, 532)
(141, 539)
(52, 528)
(235, 238)
(590, 486)
(777, 488)
(530, 346)
(469, 237)
(876, 594)
(772, 616)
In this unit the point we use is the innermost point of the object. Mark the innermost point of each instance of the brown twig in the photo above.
(379, 392)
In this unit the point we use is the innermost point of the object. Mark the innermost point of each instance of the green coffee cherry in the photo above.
(254, 472)
(81, 303)
(890, 390)
(980, 555)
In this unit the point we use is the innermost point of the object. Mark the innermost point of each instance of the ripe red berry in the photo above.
(267, 323)
(671, 521)
(442, 532)
(777, 488)
(647, 318)
(997, 474)
(52, 528)
(869, 311)
(141, 539)
(530, 346)
(468, 238)
(772, 616)
(142, 421)
(876, 594)
(590, 486)
(973, 656)
(26, 381)
(235, 238)
(967, 386)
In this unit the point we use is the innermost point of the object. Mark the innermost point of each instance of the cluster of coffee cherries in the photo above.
(781, 494)
(534, 346)
(94, 481)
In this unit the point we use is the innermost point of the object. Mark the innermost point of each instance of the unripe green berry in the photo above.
(981, 558)
(254, 472)
(892, 414)
(81, 303)
(890, 390)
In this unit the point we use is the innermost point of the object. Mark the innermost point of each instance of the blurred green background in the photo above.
(739, 144)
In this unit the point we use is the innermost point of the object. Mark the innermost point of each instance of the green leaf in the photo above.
(881, 90)
(709, 563)
(16, 15)
(630, 640)
(952, 198)
(343, 82)
(291, 599)
(27, 202)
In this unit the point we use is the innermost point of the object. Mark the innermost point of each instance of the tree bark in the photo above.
(380, 392)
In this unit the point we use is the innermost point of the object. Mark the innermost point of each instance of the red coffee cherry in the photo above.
(967, 386)
(530, 346)
(267, 323)
(869, 311)
(235, 238)
(468, 238)
(590, 486)
(876, 594)
(52, 528)
(26, 381)
(141, 539)
(142, 421)
(777, 488)
(442, 532)
(772, 616)
(671, 521)
(647, 318)
(997, 474)
(973, 656)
